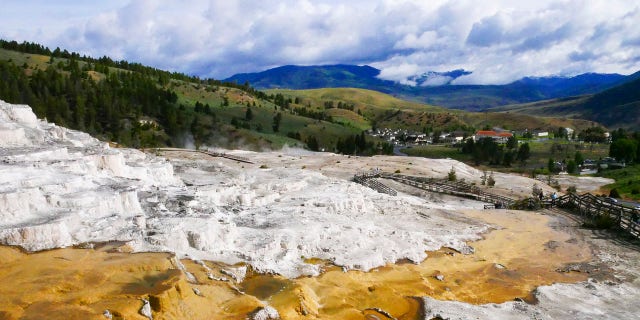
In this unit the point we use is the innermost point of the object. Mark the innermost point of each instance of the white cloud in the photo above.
(499, 40)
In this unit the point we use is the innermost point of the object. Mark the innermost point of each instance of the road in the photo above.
(629, 204)
(396, 151)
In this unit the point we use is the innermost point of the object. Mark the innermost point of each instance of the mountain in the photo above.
(616, 107)
(430, 87)
(569, 86)
(315, 77)
(138, 106)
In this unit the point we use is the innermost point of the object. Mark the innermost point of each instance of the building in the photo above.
(569, 132)
(541, 134)
(500, 137)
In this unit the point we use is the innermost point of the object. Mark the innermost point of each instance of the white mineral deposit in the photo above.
(60, 188)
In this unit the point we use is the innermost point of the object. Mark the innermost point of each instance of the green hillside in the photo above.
(463, 97)
(618, 107)
(140, 106)
(372, 108)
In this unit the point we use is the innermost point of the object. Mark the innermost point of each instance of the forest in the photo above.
(138, 106)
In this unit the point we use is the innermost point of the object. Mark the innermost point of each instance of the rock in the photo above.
(499, 266)
(439, 277)
(146, 309)
(107, 314)
(237, 274)
(266, 313)
(467, 250)
(552, 245)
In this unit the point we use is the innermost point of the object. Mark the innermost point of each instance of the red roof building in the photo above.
(502, 136)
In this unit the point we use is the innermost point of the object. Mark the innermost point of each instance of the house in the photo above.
(569, 132)
(541, 134)
(500, 137)
(455, 137)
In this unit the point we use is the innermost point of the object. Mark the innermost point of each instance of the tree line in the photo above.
(625, 145)
(487, 150)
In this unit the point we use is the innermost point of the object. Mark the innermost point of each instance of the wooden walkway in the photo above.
(455, 188)
(207, 152)
(458, 188)
(369, 180)
(590, 206)
(586, 205)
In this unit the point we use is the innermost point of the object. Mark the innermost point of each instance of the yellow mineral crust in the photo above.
(523, 252)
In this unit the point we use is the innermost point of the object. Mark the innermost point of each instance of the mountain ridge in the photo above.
(616, 107)
(444, 93)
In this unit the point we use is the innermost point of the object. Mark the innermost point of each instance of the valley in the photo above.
(131, 192)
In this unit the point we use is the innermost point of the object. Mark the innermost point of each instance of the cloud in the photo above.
(499, 40)
(487, 32)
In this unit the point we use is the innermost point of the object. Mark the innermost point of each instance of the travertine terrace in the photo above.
(291, 214)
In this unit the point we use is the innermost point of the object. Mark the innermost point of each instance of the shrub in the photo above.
(536, 190)
(614, 193)
(451, 176)
(604, 221)
(491, 181)
(572, 189)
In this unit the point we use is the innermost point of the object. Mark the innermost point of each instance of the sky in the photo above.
(498, 40)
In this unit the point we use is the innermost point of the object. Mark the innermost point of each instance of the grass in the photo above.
(627, 181)
(349, 118)
(369, 106)
(436, 152)
(564, 150)
(540, 154)
(392, 112)
(362, 98)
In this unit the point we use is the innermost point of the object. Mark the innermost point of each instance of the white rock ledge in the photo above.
(60, 187)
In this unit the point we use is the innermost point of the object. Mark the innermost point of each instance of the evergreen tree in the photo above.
(512, 143)
(524, 152)
(276, 121)
(578, 158)
(312, 144)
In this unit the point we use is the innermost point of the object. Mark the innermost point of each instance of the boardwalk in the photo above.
(369, 180)
(592, 207)
(207, 152)
(456, 188)
(587, 205)
(459, 189)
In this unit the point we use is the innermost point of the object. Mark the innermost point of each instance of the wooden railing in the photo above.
(209, 153)
(456, 188)
(587, 205)
(369, 180)
(594, 207)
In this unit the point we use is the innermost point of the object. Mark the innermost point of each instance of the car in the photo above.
(637, 207)
(611, 200)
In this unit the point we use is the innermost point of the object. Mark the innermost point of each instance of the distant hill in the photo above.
(316, 77)
(365, 108)
(617, 107)
(140, 106)
(431, 87)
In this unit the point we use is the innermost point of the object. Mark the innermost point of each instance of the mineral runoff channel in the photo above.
(522, 252)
